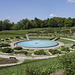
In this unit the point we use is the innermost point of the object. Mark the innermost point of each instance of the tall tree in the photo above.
(68, 22)
(0, 25)
(52, 22)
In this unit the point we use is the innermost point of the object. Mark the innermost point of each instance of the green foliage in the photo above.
(24, 36)
(63, 48)
(52, 38)
(30, 60)
(68, 22)
(31, 71)
(52, 22)
(41, 67)
(4, 44)
(6, 39)
(37, 23)
(17, 48)
(17, 37)
(57, 38)
(11, 38)
(66, 41)
(55, 51)
(69, 64)
(7, 50)
(21, 52)
(39, 52)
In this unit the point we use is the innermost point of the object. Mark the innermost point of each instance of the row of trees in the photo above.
(37, 23)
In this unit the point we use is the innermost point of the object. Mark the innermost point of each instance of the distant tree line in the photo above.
(37, 23)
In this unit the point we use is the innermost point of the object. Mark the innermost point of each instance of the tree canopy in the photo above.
(37, 23)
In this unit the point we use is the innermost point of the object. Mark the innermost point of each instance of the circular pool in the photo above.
(37, 43)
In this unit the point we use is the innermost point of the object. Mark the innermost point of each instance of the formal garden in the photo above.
(38, 66)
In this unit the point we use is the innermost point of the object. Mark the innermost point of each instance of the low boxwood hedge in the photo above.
(21, 52)
(7, 50)
(63, 48)
(17, 48)
(4, 44)
(55, 51)
(40, 52)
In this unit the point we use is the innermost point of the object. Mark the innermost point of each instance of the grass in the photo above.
(7, 36)
(39, 38)
(14, 33)
(32, 60)
(2, 58)
(42, 64)
(66, 41)
(49, 64)
(29, 54)
(47, 54)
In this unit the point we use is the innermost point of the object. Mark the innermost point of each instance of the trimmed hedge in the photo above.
(63, 48)
(55, 51)
(57, 38)
(7, 50)
(18, 37)
(17, 48)
(4, 45)
(21, 52)
(52, 38)
(11, 37)
(40, 52)
(6, 39)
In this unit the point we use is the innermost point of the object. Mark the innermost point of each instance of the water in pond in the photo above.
(37, 43)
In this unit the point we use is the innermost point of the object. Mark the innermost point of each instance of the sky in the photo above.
(16, 10)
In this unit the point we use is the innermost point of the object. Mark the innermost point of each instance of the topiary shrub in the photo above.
(40, 52)
(21, 52)
(4, 45)
(17, 48)
(63, 48)
(55, 51)
(7, 50)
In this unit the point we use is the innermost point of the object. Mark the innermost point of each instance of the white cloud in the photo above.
(52, 15)
(71, 0)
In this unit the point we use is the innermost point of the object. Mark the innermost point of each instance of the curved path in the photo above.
(68, 39)
(21, 59)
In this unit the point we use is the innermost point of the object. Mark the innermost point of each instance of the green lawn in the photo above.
(39, 65)
(7, 36)
(39, 38)
(2, 58)
(65, 41)
(51, 65)
(14, 33)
